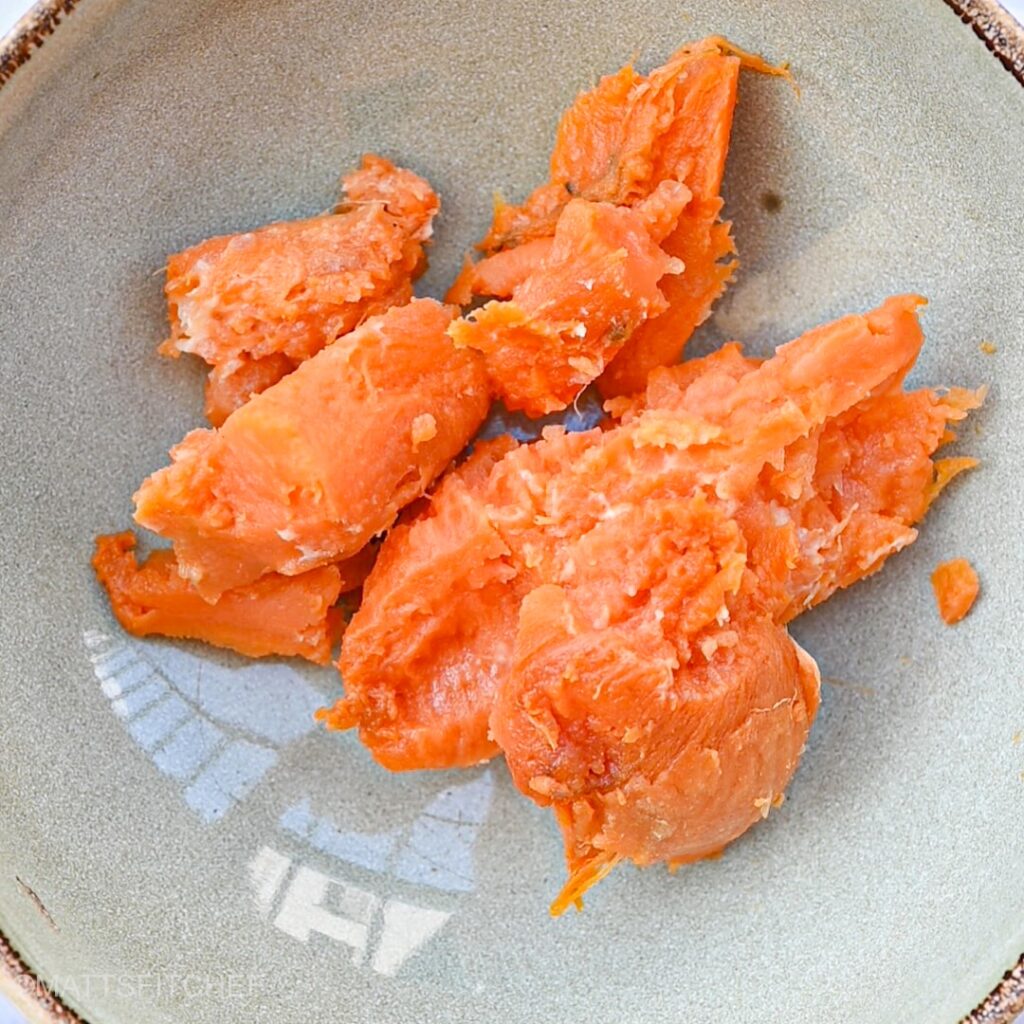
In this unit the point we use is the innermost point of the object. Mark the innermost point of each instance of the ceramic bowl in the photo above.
(180, 843)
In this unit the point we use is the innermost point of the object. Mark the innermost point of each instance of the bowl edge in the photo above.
(29, 32)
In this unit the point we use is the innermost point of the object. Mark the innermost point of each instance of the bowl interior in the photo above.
(200, 847)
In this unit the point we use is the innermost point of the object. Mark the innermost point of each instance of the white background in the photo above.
(10, 10)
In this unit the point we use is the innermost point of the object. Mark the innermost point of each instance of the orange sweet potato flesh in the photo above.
(607, 609)
(255, 305)
(617, 143)
(308, 471)
(283, 615)
(703, 243)
(643, 757)
(595, 284)
(648, 690)
(438, 600)
(227, 391)
(956, 589)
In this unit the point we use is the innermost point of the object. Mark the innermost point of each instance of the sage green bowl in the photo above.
(179, 843)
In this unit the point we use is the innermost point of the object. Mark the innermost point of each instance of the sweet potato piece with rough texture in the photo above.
(308, 471)
(542, 498)
(658, 559)
(617, 143)
(255, 305)
(620, 140)
(286, 615)
(956, 589)
(227, 390)
(702, 242)
(596, 283)
(461, 637)
(641, 757)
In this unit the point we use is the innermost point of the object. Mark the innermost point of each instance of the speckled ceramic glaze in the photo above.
(179, 843)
